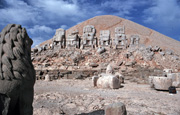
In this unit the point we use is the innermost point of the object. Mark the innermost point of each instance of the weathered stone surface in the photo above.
(104, 38)
(47, 78)
(93, 64)
(73, 40)
(94, 80)
(175, 79)
(162, 83)
(167, 70)
(155, 48)
(134, 40)
(17, 74)
(120, 77)
(150, 80)
(88, 38)
(109, 69)
(101, 50)
(59, 38)
(116, 109)
(108, 81)
(120, 40)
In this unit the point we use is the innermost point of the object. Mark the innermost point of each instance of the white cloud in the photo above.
(37, 41)
(123, 8)
(164, 12)
(18, 12)
(58, 8)
(64, 26)
(38, 29)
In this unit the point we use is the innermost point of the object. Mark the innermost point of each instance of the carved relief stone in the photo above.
(88, 38)
(73, 40)
(59, 38)
(104, 38)
(120, 40)
(134, 40)
(17, 74)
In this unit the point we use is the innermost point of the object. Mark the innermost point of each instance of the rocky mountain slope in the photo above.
(154, 53)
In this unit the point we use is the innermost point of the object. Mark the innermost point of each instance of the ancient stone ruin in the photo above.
(88, 38)
(120, 40)
(17, 74)
(134, 40)
(59, 38)
(73, 40)
(105, 63)
(104, 38)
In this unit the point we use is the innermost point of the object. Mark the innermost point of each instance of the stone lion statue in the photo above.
(17, 74)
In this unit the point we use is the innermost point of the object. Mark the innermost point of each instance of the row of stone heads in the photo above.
(88, 38)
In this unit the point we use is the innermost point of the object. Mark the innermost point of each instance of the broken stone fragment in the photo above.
(116, 109)
(47, 78)
(101, 50)
(162, 83)
(175, 79)
(169, 52)
(93, 64)
(155, 48)
(109, 69)
(94, 80)
(108, 81)
(120, 77)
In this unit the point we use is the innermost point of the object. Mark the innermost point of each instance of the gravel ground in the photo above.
(69, 97)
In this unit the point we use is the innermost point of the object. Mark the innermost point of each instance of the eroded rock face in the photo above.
(162, 83)
(16, 71)
(59, 38)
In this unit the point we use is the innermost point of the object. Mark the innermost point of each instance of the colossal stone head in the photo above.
(15, 52)
(17, 74)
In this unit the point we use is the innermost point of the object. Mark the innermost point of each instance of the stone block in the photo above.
(108, 81)
(175, 79)
(115, 109)
(162, 83)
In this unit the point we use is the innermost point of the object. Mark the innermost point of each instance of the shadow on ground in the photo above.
(97, 112)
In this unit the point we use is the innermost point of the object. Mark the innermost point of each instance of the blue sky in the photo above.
(42, 17)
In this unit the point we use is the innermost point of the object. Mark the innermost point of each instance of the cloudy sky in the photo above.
(42, 17)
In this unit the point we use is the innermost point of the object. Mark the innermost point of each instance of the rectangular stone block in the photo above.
(162, 83)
